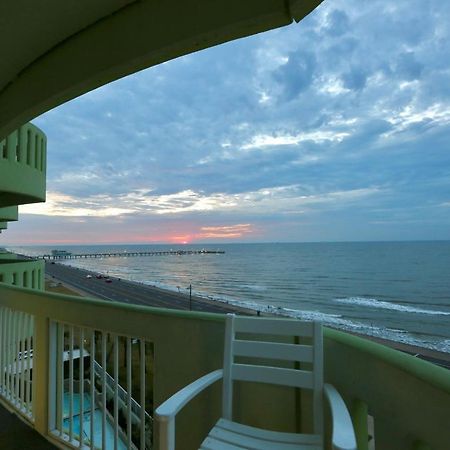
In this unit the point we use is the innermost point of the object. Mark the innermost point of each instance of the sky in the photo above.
(333, 129)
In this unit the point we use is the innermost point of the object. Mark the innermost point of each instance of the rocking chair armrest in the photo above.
(172, 405)
(166, 412)
(343, 437)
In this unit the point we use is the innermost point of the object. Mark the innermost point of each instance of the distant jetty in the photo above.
(61, 254)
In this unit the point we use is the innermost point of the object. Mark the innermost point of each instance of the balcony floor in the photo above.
(16, 435)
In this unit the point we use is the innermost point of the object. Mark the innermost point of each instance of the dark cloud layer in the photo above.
(355, 99)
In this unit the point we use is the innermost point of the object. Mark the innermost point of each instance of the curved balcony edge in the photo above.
(22, 273)
(23, 162)
(423, 370)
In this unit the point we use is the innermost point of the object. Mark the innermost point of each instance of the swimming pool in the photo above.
(86, 426)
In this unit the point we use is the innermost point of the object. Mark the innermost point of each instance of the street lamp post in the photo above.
(190, 297)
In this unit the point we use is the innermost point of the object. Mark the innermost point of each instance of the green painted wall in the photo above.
(408, 398)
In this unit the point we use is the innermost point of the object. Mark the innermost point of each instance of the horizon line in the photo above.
(55, 244)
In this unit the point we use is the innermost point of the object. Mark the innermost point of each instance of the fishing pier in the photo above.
(68, 255)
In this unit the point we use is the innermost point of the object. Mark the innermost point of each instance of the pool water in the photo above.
(86, 426)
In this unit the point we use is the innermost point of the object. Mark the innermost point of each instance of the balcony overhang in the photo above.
(88, 44)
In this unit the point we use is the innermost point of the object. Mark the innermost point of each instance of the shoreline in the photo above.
(183, 298)
(209, 304)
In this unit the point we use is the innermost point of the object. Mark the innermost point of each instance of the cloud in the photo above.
(337, 23)
(344, 113)
(281, 200)
(408, 68)
(296, 75)
(355, 79)
(58, 204)
(410, 116)
(262, 141)
(225, 231)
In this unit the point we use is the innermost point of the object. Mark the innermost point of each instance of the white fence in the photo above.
(90, 408)
(16, 360)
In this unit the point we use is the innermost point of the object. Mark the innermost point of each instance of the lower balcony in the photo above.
(87, 373)
(23, 162)
(9, 213)
(6, 215)
(21, 272)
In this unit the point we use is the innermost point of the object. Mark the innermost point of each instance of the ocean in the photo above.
(393, 290)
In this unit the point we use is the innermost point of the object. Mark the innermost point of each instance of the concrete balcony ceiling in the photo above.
(56, 51)
(23, 160)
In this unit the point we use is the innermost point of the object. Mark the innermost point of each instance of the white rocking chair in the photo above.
(229, 435)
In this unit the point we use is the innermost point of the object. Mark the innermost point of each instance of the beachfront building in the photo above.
(51, 345)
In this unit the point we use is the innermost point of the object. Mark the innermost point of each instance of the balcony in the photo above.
(23, 161)
(68, 361)
(84, 372)
(6, 215)
(22, 272)
(22, 180)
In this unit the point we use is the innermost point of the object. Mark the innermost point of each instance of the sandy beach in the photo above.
(85, 283)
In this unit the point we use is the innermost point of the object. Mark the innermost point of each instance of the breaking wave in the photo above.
(374, 303)
(337, 321)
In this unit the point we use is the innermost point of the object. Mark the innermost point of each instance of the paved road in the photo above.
(134, 293)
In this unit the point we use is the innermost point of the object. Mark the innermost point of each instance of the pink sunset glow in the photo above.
(79, 232)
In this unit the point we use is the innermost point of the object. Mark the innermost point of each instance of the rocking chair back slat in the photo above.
(273, 350)
(303, 350)
(272, 326)
(273, 375)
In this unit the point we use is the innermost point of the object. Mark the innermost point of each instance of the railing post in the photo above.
(359, 417)
(40, 389)
(52, 375)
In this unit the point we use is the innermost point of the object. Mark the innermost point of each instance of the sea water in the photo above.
(394, 290)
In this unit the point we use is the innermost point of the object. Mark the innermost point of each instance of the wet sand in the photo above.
(141, 294)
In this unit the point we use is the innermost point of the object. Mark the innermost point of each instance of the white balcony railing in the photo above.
(89, 406)
(16, 360)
